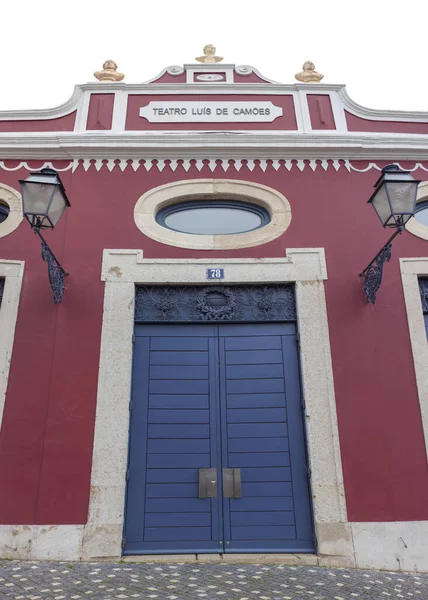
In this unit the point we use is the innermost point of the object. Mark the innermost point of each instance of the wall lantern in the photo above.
(394, 201)
(43, 202)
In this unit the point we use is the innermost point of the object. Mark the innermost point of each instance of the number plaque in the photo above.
(215, 273)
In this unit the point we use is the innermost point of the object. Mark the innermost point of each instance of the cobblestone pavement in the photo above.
(111, 581)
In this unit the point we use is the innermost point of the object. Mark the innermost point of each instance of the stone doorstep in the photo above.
(307, 560)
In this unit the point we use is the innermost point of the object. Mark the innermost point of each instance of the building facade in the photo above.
(214, 381)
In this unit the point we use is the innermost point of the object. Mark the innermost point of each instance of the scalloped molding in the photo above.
(220, 164)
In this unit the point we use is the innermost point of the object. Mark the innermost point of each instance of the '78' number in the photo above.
(215, 273)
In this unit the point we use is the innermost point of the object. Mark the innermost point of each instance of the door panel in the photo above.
(217, 396)
(265, 442)
(173, 434)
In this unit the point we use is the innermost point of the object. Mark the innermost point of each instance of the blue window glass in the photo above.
(213, 217)
(423, 288)
(4, 212)
(421, 213)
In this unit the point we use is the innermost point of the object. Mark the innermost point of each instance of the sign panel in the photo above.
(214, 112)
(215, 273)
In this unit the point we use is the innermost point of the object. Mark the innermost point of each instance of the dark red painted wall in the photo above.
(358, 124)
(321, 111)
(100, 112)
(47, 434)
(65, 123)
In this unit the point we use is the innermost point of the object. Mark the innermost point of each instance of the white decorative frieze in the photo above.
(48, 165)
(175, 70)
(244, 69)
(210, 77)
(221, 164)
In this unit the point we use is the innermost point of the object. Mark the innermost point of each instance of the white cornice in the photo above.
(380, 115)
(190, 144)
(41, 114)
(248, 89)
(208, 88)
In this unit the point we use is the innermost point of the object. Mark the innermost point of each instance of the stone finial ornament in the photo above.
(109, 72)
(209, 55)
(309, 75)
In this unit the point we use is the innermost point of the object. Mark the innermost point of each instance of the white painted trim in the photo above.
(82, 113)
(43, 114)
(12, 271)
(24, 165)
(379, 115)
(150, 203)
(338, 113)
(119, 111)
(122, 269)
(413, 226)
(174, 162)
(411, 269)
(272, 88)
(12, 198)
(194, 69)
(304, 111)
(208, 144)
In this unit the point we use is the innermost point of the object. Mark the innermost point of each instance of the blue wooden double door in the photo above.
(217, 458)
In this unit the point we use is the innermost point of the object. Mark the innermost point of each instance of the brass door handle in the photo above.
(232, 487)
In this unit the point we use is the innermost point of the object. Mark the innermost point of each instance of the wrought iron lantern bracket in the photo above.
(55, 271)
(44, 201)
(373, 272)
(394, 201)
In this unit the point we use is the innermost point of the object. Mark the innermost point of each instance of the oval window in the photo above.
(4, 212)
(213, 217)
(421, 213)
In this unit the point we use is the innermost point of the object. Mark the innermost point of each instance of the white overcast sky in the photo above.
(378, 48)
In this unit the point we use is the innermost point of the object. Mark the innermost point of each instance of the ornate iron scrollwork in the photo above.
(423, 288)
(1, 290)
(373, 273)
(215, 303)
(55, 271)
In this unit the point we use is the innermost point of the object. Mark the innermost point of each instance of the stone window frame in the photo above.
(411, 270)
(124, 269)
(12, 271)
(155, 199)
(413, 226)
(12, 198)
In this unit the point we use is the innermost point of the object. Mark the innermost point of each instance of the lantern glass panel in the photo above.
(402, 198)
(43, 199)
(57, 207)
(36, 197)
(381, 205)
